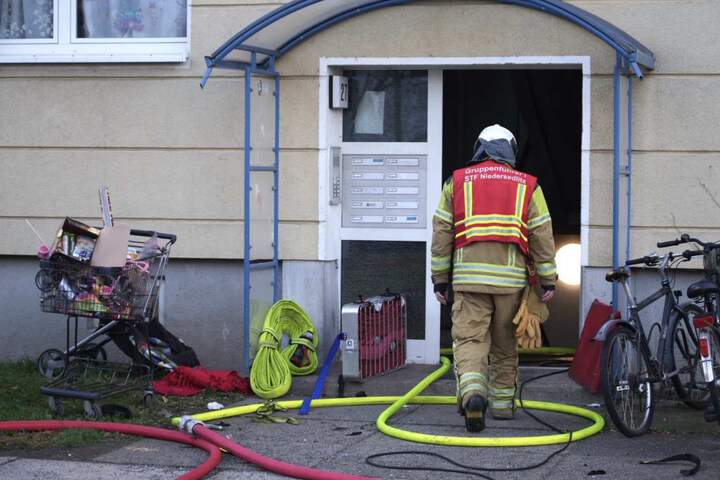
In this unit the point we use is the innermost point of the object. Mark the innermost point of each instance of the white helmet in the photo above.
(496, 132)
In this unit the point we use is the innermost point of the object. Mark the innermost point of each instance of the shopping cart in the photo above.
(121, 298)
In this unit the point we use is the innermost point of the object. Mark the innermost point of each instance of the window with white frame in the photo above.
(93, 31)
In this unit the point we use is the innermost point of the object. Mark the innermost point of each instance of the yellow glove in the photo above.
(537, 307)
(530, 315)
(532, 337)
(521, 318)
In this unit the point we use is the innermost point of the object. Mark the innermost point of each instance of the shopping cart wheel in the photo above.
(147, 399)
(92, 410)
(52, 363)
(57, 406)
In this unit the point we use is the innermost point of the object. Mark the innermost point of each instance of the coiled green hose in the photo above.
(272, 370)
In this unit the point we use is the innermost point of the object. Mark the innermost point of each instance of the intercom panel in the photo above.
(384, 191)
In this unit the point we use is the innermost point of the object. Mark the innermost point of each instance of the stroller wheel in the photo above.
(92, 410)
(57, 406)
(52, 363)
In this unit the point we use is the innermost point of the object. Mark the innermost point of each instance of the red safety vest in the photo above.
(491, 201)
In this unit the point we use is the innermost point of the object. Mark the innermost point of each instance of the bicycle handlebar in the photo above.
(670, 243)
(646, 260)
(685, 238)
(706, 245)
(692, 253)
(653, 260)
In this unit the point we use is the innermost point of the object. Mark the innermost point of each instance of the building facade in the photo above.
(172, 154)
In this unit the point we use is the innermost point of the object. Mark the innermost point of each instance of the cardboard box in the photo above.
(77, 228)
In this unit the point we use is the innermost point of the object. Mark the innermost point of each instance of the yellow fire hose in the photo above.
(271, 375)
(412, 397)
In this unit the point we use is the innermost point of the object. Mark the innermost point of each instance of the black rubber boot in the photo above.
(475, 414)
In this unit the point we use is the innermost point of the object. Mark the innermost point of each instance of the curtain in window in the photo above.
(26, 19)
(132, 18)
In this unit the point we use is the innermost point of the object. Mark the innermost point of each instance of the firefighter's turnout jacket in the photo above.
(491, 219)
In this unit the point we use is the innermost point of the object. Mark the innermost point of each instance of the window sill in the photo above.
(91, 58)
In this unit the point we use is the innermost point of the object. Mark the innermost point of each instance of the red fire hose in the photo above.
(264, 462)
(161, 434)
(208, 441)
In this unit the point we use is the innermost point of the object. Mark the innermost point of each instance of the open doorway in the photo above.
(543, 108)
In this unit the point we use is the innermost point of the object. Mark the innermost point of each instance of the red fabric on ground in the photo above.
(186, 381)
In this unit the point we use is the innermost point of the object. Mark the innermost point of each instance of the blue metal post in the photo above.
(246, 222)
(276, 238)
(616, 176)
(629, 160)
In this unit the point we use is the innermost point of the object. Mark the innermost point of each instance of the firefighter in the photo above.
(492, 225)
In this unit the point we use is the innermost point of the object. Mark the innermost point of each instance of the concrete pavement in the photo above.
(340, 438)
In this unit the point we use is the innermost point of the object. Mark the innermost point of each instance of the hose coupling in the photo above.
(300, 357)
(187, 423)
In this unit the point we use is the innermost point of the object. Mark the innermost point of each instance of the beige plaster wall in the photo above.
(171, 153)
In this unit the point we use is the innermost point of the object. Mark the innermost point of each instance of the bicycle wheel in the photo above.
(626, 388)
(682, 353)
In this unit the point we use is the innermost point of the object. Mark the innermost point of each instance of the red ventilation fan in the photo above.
(376, 331)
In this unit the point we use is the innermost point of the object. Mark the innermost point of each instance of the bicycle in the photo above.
(629, 371)
(707, 323)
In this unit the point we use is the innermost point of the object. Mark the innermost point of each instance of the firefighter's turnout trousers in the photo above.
(482, 325)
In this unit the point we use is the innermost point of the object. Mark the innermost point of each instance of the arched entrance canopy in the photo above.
(279, 31)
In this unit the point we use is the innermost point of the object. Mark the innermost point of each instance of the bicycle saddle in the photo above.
(701, 288)
(615, 275)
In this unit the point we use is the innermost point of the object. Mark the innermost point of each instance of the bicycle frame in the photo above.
(670, 308)
(634, 322)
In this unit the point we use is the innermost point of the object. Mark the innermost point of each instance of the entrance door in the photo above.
(423, 121)
(390, 155)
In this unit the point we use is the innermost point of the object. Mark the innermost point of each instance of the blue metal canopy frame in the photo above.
(633, 52)
(256, 48)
